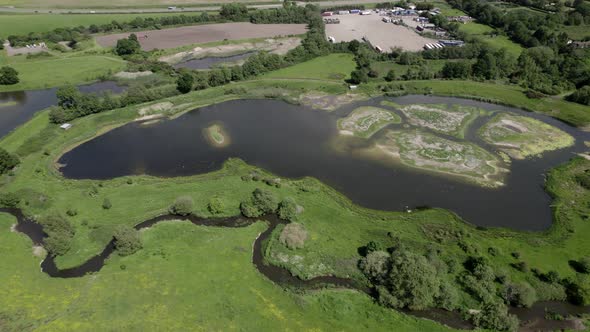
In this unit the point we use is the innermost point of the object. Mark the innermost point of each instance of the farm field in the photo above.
(176, 37)
(19, 24)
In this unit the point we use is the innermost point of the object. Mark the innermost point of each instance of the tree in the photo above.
(375, 265)
(260, 203)
(128, 46)
(456, 69)
(234, 11)
(412, 282)
(182, 206)
(184, 83)
(359, 76)
(287, 209)
(8, 161)
(293, 236)
(519, 295)
(127, 240)
(68, 96)
(485, 66)
(8, 76)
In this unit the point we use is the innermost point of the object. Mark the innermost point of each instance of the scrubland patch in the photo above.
(451, 120)
(432, 153)
(521, 136)
(366, 121)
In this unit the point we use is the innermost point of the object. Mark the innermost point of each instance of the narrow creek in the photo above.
(532, 319)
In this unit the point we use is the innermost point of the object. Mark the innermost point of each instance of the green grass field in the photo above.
(576, 32)
(336, 67)
(163, 4)
(481, 31)
(60, 70)
(20, 24)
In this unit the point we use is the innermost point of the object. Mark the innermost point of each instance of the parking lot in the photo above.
(377, 32)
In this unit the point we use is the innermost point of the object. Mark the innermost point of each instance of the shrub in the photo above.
(495, 316)
(127, 46)
(265, 200)
(373, 73)
(584, 265)
(59, 234)
(8, 76)
(578, 289)
(373, 246)
(9, 200)
(249, 210)
(72, 212)
(287, 209)
(127, 240)
(184, 83)
(182, 206)
(521, 266)
(390, 76)
(7, 161)
(293, 236)
(375, 265)
(519, 295)
(106, 204)
(215, 205)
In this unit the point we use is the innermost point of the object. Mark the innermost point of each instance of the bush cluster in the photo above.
(127, 240)
(60, 233)
(293, 236)
(182, 206)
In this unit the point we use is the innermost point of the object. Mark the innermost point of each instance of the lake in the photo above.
(30, 102)
(295, 141)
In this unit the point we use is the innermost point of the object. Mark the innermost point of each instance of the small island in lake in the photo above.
(216, 135)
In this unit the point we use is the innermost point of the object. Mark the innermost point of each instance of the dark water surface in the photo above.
(209, 62)
(32, 101)
(294, 141)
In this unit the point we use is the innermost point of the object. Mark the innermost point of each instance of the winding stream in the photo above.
(532, 319)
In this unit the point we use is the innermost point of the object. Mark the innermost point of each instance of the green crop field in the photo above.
(19, 24)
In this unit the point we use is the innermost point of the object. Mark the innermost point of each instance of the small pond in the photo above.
(295, 141)
(210, 62)
(24, 104)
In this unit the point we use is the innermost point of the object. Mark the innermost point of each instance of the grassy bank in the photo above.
(485, 34)
(60, 70)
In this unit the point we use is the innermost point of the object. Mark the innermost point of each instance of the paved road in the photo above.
(164, 9)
